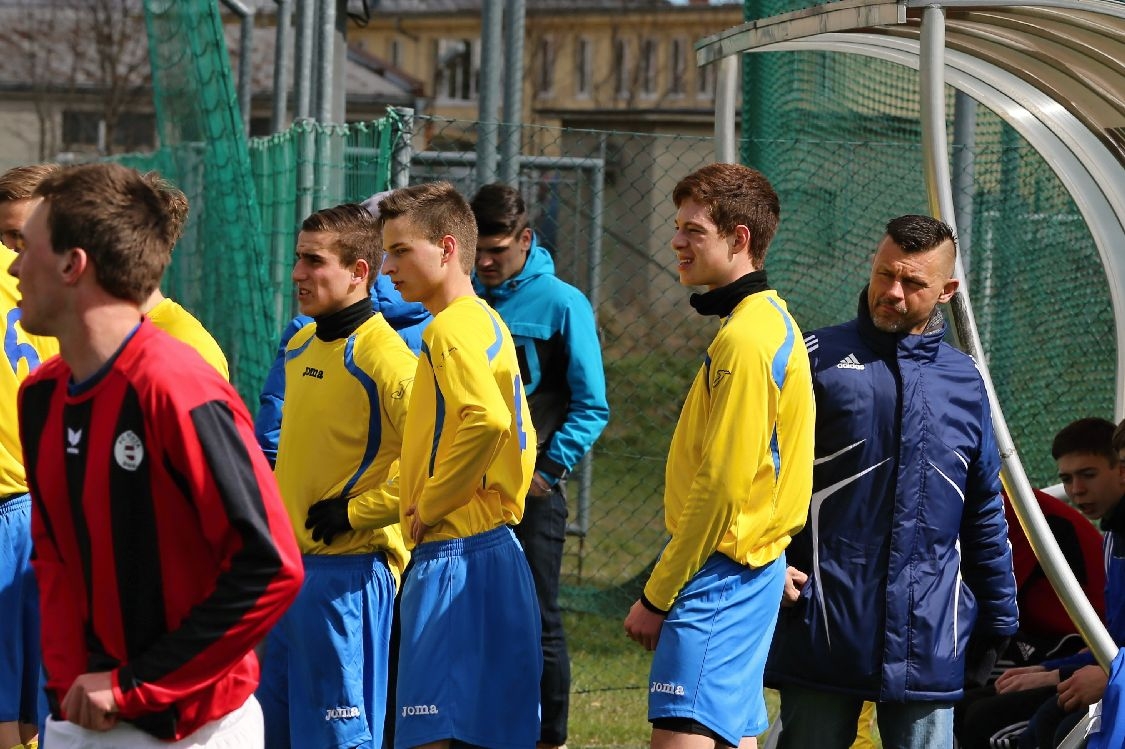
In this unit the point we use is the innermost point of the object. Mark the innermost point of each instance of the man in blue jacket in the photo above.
(560, 361)
(906, 546)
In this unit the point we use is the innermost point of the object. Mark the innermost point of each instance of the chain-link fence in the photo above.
(601, 202)
(839, 140)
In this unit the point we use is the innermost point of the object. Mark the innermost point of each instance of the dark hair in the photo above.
(1090, 436)
(175, 202)
(1118, 441)
(118, 218)
(19, 183)
(357, 234)
(435, 209)
(735, 194)
(499, 211)
(915, 233)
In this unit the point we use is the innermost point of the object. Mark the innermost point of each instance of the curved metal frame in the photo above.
(1089, 172)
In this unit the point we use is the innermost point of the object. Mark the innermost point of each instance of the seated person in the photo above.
(1053, 695)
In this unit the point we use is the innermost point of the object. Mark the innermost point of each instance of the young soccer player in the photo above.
(738, 478)
(162, 549)
(470, 658)
(19, 659)
(347, 383)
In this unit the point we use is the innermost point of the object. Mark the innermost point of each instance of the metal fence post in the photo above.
(403, 149)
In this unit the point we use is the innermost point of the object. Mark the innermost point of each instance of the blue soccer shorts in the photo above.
(19, 602)
(711, 655)
(470, 659)
(324, 670)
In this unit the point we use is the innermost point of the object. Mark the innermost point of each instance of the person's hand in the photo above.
(643, 626)
(1083, 688)
(418, 529)
(1023, 678)
(328, 518)
(539, 485)
(794, 581)
(89, 702)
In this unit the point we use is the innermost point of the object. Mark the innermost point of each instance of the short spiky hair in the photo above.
(118, 218)
(734, 194)
(19, 183)
(435, 209)
(357, 234)
(914, 233)
(1089, 436)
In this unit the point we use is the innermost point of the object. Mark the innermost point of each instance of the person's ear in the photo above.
(448, 248)
(525, 239)
(361, 271)
(72, 264)
(741, 241)
(948, 290)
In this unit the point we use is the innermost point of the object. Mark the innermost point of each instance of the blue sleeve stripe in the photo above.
(374, 425)
(494, 349)
(291, 355)
(777, 368)
(439, 416)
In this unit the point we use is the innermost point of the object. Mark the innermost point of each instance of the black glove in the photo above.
(981, 656)
(328, 518)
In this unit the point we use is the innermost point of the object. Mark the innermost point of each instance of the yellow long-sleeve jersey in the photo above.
(22, 353)
(469, 450)
(182, 325)
(739, 472)
(341, 434)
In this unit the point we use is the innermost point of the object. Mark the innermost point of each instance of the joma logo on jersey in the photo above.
(338, 713)
(313, 372)
(408, 710)
(666, 687)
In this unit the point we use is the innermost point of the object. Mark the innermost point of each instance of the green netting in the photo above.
(839, 135)
(217, 270)
(231, 267)
(309, 167)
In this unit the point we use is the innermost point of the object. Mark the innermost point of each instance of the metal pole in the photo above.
(726, 99)
(510, 132)
(325, 59)
(281, 58)
(964, 173)
(303, 59)
(492, 19)
(594, 284)
(245, 53)
(938, 188)
(403, 149)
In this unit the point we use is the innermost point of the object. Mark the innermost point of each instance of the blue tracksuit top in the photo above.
(906, 545)
(560, 360)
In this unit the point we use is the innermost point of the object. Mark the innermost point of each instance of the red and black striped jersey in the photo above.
(162, 549)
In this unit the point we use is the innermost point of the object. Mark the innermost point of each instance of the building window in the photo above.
(396, 53)
(705, 80)
(677, 67)
(88, 131)
(649, 51)
(583, 67)
(544, 67)
(458, 64)
(621, 77)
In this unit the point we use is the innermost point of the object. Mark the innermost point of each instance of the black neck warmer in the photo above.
(723, 300)
(342, 323)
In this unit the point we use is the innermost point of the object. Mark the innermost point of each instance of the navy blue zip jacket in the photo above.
(560, 360)
(906, 546)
